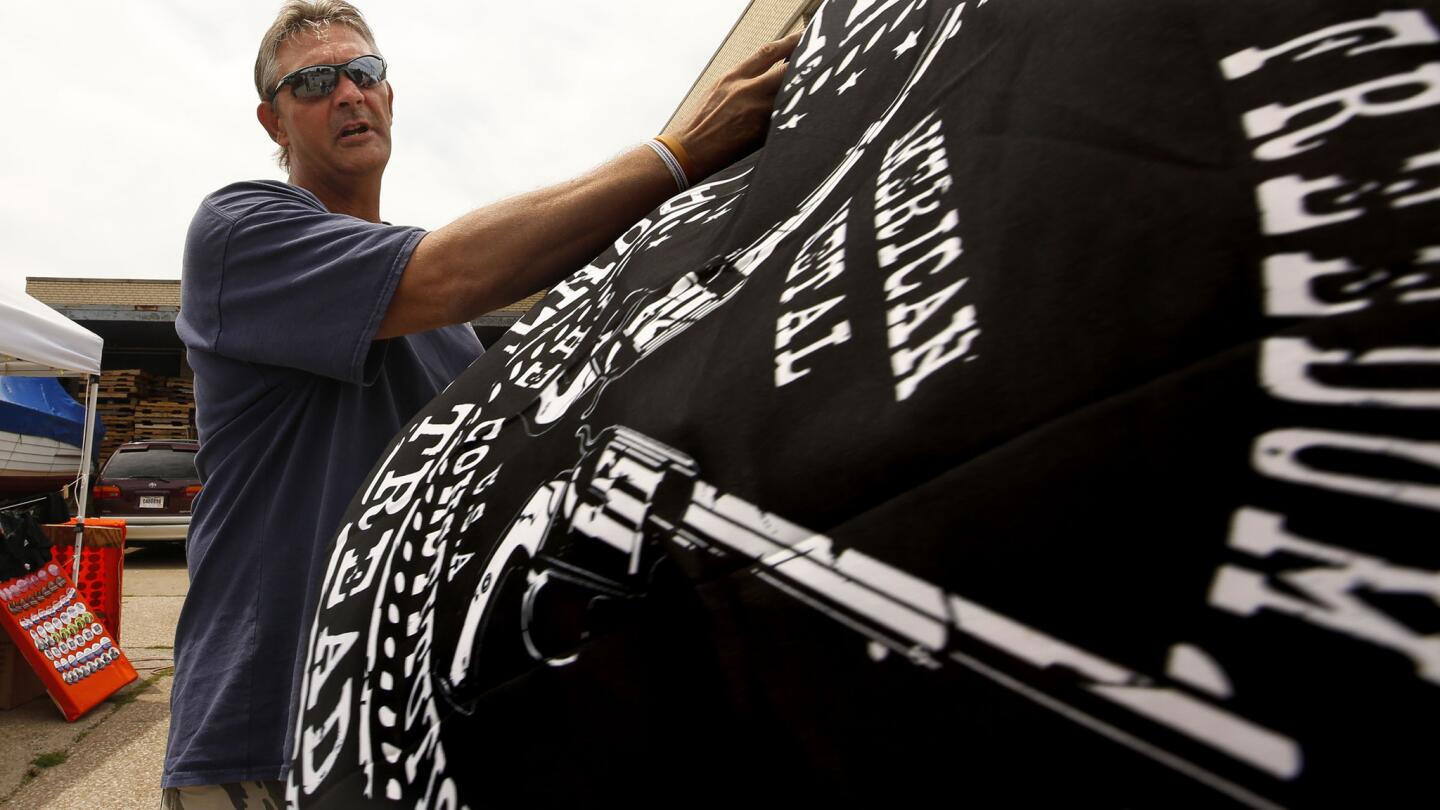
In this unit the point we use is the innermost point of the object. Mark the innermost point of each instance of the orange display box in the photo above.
(57, 629)
(102, 564)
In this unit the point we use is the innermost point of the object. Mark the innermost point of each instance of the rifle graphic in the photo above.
(591, 540)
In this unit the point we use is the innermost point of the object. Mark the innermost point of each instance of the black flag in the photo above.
(1048, 413)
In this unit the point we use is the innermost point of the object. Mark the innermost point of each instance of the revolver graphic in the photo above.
(594, 540)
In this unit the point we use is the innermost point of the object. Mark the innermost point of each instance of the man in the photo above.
(316, 331)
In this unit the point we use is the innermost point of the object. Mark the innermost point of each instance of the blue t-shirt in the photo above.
(295, 402)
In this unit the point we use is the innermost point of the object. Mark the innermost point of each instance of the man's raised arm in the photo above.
(503, 252)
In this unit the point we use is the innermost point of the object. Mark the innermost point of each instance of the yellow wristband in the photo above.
(673, 144)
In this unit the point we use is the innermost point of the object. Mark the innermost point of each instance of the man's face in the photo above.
(338, 138)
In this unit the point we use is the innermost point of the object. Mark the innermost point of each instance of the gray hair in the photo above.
(296, 16)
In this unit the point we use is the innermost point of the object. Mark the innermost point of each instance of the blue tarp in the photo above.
(39, 406)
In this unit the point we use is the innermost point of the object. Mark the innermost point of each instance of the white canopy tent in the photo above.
(37, 341)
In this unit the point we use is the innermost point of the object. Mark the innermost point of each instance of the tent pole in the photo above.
(87, 448)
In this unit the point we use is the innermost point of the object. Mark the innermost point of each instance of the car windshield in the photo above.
(155, 462)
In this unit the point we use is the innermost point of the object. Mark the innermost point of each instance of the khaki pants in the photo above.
(269, 795)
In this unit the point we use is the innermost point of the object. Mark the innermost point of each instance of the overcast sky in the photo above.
(120, 122)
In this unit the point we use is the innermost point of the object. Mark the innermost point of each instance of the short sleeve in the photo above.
(272, 277)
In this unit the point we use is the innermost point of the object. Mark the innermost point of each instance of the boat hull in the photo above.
(35, 464)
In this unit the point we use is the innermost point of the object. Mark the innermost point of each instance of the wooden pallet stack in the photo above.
(176, 389)
(120, 391)
(136, 405)
(162, 419)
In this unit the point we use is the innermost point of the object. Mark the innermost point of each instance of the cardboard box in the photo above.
(17, 683)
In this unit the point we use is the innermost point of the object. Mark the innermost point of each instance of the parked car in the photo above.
(151, 484)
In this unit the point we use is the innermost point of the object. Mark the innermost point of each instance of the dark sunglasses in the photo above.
(318, 81)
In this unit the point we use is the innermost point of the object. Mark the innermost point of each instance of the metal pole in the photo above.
(87, 447)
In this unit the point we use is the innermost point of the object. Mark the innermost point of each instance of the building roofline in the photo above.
(103, 279)
(716, 55)
(802, 9)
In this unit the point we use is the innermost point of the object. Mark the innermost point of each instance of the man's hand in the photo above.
(503, 252)
(735, 116)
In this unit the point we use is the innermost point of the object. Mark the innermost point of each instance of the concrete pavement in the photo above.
(112, 757)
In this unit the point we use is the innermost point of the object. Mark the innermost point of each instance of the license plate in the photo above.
(152, 501)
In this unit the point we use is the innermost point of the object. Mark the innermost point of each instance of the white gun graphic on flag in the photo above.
(592, 540)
